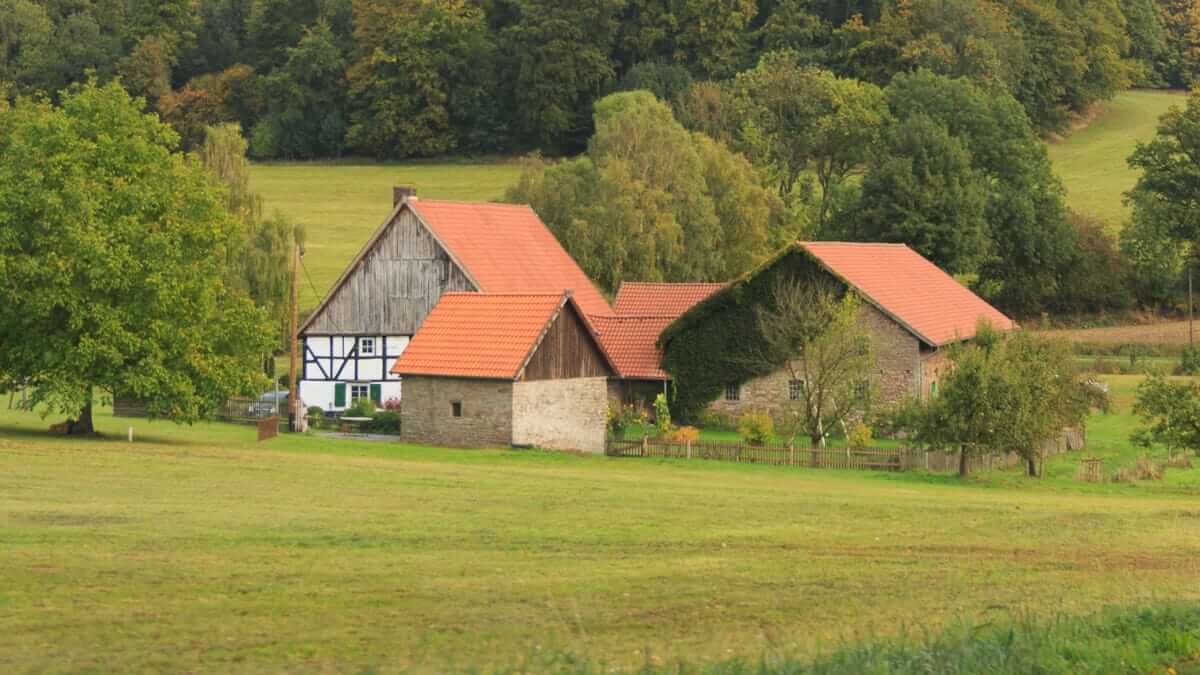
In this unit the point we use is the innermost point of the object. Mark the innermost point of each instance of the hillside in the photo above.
(342, 203)
(1091, 161)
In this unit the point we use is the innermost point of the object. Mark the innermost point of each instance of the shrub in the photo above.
(1190, 361)
(363, 407)
(756, 428)
(315, 411)
(717, 421)
(386, 422)
(621, 417)
(392, 404)
(662, 416)
(859, 436)
(684, 435)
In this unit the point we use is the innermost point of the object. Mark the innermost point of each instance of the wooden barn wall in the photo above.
(568, 350)
(396, 286)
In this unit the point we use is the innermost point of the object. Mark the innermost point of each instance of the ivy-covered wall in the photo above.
(715, 343)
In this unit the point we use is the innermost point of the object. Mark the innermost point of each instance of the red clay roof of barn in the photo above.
(909, 288)
(484, 335)
(505, 248)
(631, 342)
(661, 299)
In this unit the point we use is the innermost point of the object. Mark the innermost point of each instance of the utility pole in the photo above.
(1191, 329)
(293, 383)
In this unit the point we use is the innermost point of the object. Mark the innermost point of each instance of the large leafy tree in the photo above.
(643, 202)
(797, 118)
(112, 261)
(921, 189)
(305, 101)
(1032, 243)
(421, 79)
(558, 60)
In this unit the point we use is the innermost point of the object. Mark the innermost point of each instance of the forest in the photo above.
(413, 78)
(695, 135)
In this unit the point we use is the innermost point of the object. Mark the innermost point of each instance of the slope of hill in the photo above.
(1091, 161)
(342, 203)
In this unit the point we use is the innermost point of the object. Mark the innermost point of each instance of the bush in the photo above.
(386, 422)
(717, 421)
(859, 436)
(621, 417)
(662, 416)
(315, 411)
(392, 404)
(684, 435)
(756, 428)
(1190, 361)
(363, 407)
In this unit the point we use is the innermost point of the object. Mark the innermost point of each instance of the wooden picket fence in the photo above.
(873, 459)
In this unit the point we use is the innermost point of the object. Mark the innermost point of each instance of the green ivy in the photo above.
(714, 344)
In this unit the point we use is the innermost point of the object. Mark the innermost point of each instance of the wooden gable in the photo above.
(392, 285)
(568, 349)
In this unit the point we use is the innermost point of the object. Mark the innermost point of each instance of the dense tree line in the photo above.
(409, 78)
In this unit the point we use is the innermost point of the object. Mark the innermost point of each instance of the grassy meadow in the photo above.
(197, 549)
(341, 203)
(1091, 160)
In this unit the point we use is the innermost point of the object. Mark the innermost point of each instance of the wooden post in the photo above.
(791, 453)
(293, 366)
(689, 448)
(645, 446)
(130, 434)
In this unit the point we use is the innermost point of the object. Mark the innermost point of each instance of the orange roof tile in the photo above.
(485, 335)
(631, 342)
(505, 248)
(661, 299)
(910, 289)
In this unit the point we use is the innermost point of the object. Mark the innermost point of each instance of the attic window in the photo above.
(456, 408)
(366, 346)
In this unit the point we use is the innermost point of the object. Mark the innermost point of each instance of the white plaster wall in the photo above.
(569, 414)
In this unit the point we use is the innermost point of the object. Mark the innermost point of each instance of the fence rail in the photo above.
(874, 459)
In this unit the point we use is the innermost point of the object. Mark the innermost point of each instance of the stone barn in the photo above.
(506, 370)
(911, 310)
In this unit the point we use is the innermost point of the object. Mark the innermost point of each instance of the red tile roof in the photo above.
(631, 342)
(505, 248)
(485, 335)
(910, 289)
(661, 299)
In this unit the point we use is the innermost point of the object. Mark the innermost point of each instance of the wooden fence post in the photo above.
(689, 448)
(791, 453)
(645, 446)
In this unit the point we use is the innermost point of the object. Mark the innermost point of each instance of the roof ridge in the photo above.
(510, 294)
(891, 244)
(423, 200)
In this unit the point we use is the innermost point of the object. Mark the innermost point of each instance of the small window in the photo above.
(456, 408)
(862, 388)
(795, 390)
(366, 346)
(733, 392)
(358, 391)
(933, 389)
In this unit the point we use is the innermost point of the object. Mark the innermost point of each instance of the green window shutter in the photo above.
(377, 393)
(339, 394)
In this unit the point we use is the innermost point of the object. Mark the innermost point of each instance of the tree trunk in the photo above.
(83, 426)
(1031, 467)
(963, 467)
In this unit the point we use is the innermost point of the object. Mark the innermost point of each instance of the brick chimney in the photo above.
(403, 193)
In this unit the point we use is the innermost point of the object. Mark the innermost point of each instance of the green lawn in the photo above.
(342, 203)
(196, 549)
(1091, 161)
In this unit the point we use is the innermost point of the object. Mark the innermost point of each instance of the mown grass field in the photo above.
(341, 203)
(196, 549)
(1092, 160)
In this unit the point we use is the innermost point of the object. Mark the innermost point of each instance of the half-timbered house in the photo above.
(423, 249)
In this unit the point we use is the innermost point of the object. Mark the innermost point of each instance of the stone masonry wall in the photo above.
(896, 377)
(570, 414)
(934, 365)
(487, 408)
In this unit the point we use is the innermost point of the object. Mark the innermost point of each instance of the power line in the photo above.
(320, 298)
